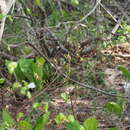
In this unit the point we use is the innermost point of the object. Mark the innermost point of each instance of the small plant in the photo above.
(29, 73)
(116, 107)
(30, 70)
(2, 81)
(8, 122)
(65, 97)
(72, 124)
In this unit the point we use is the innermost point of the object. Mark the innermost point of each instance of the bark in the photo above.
(5, 6)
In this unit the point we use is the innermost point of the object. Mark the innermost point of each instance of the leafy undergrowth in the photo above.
(65, 105)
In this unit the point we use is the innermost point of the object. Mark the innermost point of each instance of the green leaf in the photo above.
(10, 18)
(16, 86)
(74, 2)
(91, 124)
(28, 10)
(125, 72)
(60, 118)
(115, 108)
(42, 121)
(70, 118)
(65, 96)
(23, 90)
(3, 16)
(7, 118)
(2, 80)
(74, 126)
(46, 71)
(128, 28)
(11, 66)
(38, 2)
(26, 66)
(24, 125)
(19, 74)
(2, 128)
(29, 94)
(36, 105)
(113, 129)
(38, 70)
(20, 115)
(54, 18)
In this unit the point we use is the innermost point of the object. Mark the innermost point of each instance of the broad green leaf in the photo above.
(75, 2)
(70, 118)
(11, 65)
(2, 80)
(74, 126)
(91, 124)
(26, 66)
(7, 118)
(19, 74)
(42, 121)
(125, 72)
(24, 125)
(115, 108)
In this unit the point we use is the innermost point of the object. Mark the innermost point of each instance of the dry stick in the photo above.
(108, 11)
(75, 81)
(115, 28)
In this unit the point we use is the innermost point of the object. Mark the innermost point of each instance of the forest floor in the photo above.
(84, 103)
